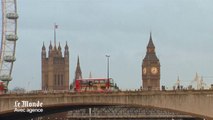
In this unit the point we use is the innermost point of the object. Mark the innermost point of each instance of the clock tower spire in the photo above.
(151, 68)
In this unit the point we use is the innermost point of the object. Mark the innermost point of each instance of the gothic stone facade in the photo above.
(55, 68)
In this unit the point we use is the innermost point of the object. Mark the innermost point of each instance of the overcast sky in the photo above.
(181, 31)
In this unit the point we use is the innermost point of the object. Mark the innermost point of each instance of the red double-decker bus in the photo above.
(94, 85)
(1, 87)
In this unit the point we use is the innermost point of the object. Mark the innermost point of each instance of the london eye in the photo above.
(8, 26)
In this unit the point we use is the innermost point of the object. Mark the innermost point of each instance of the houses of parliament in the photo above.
(55, 68)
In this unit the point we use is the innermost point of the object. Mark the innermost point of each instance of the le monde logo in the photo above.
(27, 106)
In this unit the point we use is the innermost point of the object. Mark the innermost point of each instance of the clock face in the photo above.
(144, 70)
(154, 70)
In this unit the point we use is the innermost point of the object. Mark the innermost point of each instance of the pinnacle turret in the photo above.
(150, 54)
(43, 52)
(78, 62)
(66, 46)
(78, 73)
(59, 47)
(150, 44)
(50, 46)
(43, 47)
(66, 51)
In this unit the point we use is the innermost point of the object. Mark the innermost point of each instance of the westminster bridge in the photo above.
(195, 103)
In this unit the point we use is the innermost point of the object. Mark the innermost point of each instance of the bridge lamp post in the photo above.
(108, 70)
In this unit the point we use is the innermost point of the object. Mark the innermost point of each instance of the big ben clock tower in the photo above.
(151, 68)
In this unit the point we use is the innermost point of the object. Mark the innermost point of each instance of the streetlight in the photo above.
(108, 70)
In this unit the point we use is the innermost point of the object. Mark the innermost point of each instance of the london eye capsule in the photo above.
(9, 58)
(12, 15)
(11, 37)
(5, 78)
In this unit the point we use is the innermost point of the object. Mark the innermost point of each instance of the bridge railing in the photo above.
(66, 92)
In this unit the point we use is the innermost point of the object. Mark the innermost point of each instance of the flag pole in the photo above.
(55, 34)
